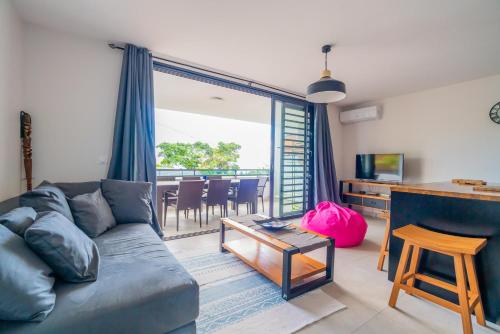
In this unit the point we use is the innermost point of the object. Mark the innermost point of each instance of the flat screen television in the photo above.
(380, 167)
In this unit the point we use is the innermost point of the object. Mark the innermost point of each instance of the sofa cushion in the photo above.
(47, 197)
(66, 249)
(72, 189)
(92, 213)
(25, 281)
(18, 220)
(129, 201)
(141, 289)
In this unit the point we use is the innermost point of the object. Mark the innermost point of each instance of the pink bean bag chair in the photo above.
(346, 226)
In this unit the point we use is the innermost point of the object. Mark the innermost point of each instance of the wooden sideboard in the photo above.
(357, 199)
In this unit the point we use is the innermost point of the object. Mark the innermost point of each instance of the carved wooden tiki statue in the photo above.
(27, 150)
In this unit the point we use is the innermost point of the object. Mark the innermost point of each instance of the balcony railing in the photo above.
(209, 172)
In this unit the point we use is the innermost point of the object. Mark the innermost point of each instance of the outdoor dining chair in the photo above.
(169, 193)
(191, 178)
(260, 189)
(246, 193)
(188, 197)
(165, 178)
(217, 194)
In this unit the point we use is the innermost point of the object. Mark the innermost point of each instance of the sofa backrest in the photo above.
(9, 204)
(70, 189)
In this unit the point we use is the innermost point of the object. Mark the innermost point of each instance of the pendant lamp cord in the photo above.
(325, 49)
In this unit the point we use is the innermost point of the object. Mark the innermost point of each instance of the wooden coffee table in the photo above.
(283, 263)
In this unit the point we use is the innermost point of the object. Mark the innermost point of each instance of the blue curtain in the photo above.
(325, 177)
(133, 157)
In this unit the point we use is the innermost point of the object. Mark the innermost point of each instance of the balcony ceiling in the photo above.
(384, 47)
(186, 95)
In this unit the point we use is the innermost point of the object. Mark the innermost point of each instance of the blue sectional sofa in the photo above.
(141, 287)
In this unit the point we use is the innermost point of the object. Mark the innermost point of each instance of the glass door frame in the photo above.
(206, 77)
(308, 157)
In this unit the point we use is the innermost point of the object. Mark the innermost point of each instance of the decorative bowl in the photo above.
(276, 225)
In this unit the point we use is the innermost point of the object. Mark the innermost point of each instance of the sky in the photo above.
(182, 127)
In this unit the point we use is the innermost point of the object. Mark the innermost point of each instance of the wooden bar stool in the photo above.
(385, 242)
(462, 250)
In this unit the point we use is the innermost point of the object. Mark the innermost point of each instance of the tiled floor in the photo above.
(364, 290)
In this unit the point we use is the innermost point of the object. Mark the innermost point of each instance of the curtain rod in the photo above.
(249, 82)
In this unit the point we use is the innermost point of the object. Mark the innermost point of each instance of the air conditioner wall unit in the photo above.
(360, 115)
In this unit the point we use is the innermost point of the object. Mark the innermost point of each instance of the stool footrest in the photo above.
(431, 297)
(473, 299)
(437, 282)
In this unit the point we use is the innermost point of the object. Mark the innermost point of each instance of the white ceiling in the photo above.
(186, 95)
(384, 47)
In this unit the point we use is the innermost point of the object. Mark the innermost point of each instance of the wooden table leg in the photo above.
(330, 256)
(286, 280)
(287, 291)
(222, 237)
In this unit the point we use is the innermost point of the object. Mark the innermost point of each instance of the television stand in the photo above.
(364, 200)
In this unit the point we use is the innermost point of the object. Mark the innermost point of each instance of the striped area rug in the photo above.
(234, 297)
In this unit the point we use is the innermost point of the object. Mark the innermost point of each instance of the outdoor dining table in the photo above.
(172, 186)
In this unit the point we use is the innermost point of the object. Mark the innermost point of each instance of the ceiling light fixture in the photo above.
(326, 89)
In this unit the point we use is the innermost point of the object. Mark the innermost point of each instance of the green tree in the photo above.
(199, 155)
(182, 155)
(223, 156)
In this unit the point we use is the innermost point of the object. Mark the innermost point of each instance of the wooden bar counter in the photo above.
(458, 210)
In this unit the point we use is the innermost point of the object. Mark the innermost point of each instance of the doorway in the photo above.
(273, 134)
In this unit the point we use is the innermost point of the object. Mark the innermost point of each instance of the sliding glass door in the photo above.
(290, 168)
(291, 158)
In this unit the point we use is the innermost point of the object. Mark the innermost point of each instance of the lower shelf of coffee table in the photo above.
(269, 262)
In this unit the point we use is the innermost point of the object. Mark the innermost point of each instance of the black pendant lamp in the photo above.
(326, 89)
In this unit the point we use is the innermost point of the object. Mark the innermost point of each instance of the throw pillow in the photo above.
(26, 282)
(72, 189)
(129, 201)
(92, 213)
(47, 197)
(64, 247)
(18, 220)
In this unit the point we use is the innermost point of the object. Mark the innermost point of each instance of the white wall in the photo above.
(11, 34)
(336, 133)
(444, 133)
(71, 87)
